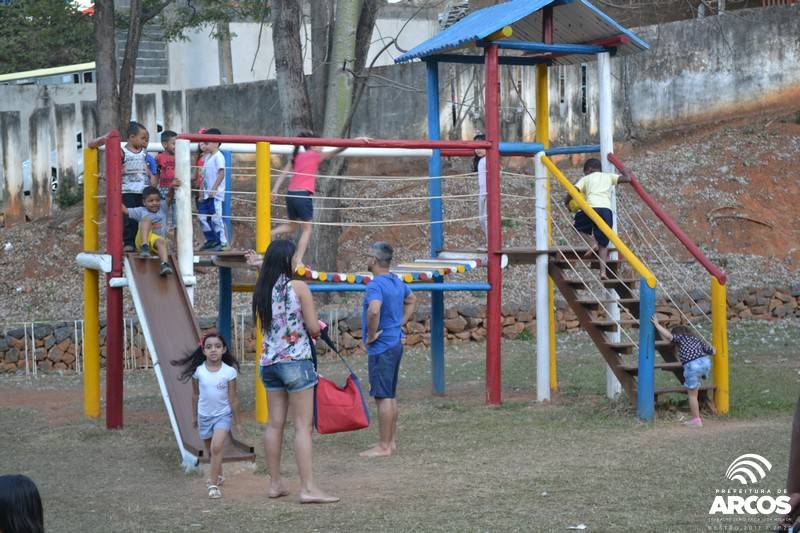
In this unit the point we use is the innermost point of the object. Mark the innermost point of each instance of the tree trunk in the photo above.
(225, 55)
(292, 91)
(339, 100)
(321, 34)
(127, 74)
(105, 66)
(366, 25)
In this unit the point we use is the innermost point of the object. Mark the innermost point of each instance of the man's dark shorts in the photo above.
(300, 205)
(384, 369)
(584, 224)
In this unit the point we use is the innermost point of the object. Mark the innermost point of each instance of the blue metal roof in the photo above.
(574, 22)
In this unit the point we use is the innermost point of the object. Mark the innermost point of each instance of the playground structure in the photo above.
(609, 310)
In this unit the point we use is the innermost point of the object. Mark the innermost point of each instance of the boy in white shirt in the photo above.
(596, 187)
(210, 204)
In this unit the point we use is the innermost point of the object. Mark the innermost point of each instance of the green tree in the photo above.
(43, 33)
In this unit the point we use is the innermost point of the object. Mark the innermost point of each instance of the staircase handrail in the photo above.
(622, 248)
(693, 249)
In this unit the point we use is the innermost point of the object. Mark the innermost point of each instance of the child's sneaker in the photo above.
(144, 251)
(694, 423)
(128, 248)
(165, 269)
(214, 493)
(209, 244)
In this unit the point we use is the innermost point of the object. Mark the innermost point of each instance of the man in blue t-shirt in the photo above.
(388, 305)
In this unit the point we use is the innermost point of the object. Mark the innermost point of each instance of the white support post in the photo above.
(183, 211)
(542, 287)
(606, 128)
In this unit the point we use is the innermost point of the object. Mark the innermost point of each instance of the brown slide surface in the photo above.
(174, 333)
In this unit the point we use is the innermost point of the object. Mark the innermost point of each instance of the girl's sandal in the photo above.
(214, 492)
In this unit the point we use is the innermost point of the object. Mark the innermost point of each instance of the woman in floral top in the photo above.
(286, 312)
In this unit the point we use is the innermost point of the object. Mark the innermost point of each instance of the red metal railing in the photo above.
(341, 143)
(712, 269)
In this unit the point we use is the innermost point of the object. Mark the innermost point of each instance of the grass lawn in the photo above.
(461, 466)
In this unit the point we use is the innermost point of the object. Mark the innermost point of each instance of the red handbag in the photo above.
(338, 409)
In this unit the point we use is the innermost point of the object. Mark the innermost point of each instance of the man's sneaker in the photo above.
(215, 247)
(144, 251)
(209, 244)
(128, 248)
(165, 269)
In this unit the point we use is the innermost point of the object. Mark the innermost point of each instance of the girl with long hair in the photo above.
(288, 319)
(213, 371)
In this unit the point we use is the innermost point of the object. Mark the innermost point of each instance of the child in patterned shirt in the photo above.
(695, 356)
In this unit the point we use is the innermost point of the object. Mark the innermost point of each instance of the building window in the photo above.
(88, 77)
(583, 89)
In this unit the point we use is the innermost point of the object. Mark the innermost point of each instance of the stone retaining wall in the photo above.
(52, 345)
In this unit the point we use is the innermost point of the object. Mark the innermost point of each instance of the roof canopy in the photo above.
(575, 22)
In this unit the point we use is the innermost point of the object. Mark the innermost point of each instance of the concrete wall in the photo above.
(695, 71)
(194, 62)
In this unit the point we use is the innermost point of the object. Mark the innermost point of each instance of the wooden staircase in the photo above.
(596, 323)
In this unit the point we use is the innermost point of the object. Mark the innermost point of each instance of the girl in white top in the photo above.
(213, 370)
(479, 166)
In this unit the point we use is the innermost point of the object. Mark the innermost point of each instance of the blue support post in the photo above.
(225, 276)
(436, 228)
(645, 400)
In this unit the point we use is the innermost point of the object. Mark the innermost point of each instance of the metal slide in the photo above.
(171, 331)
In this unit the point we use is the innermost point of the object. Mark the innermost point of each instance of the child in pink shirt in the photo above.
(299, 196)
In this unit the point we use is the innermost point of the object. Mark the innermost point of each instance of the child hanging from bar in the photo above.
(596, 187)
(695, 356)
(301, 189)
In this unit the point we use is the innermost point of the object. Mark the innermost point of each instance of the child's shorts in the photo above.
(152, 239)
(584, 224)
(289, 376)
(695, 371)
(300, 205)
(207, 424)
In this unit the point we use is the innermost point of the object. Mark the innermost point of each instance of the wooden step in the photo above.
(593, 304)
(632, 369)
(680, 389)
(611, 325)
(607, 283)
(627, 347)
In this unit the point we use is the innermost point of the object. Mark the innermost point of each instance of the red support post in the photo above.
(494, 297)
(114, 326)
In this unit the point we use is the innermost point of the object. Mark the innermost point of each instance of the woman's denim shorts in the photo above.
(289, 376)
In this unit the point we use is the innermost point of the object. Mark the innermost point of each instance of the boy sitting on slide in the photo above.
(151, 237)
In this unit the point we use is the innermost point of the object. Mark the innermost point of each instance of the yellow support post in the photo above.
(91, 291)
(719, 338)
(543, 136)
(263, 223)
